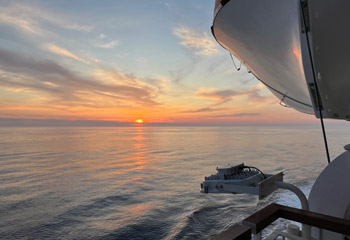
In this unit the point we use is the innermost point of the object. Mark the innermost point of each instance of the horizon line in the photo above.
(24, 122)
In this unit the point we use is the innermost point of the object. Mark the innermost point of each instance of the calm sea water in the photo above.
(143, 182)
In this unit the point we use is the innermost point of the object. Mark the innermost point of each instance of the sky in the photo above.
(120, 61)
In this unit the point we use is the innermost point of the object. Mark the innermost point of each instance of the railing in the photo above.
(264, 217)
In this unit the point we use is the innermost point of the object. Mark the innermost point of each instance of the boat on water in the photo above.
(227, 179)
(241, 179)
(299, 50)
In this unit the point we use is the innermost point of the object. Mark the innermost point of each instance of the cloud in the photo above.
(80, 28)
(205, 109)
(63, 52)
(167, 5)
(180, 74)
(235, 115)
(248, 80)
(221, 96)
(99, 44)
(200, 43)
(62, 86)
(18, 122)
(102, 36)
(209, 110)
(35, 20)
(107, 45)
(20, 23)
(254, 93)
(177, 75)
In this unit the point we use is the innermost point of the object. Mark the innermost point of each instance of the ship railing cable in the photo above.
(234, 64)
(281, 93)
(302, 4)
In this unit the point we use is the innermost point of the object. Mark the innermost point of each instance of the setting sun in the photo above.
(139, 121)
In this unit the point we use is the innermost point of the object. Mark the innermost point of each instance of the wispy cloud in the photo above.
(178, 75)
(237, 115)
(101, 42)
(203, 110)
(206, 110)
(63, 52)
(102, 36)
(107, 45)
(200, 43)
(221, 96)
(254, 93)
(65, 87)
(34, 20)
(166, 4)
(80, 28)
(200, 110)
(22, 24)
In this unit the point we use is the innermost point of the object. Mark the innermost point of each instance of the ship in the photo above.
(299, 50)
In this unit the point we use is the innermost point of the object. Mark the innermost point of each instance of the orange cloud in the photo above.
(253, 94)
(109, 88)
(63, 52)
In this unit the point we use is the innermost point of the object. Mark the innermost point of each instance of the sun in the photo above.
(139, 121)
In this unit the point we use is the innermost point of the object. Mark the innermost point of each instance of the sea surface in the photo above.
(144, 182)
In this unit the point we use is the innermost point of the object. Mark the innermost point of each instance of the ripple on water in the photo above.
(127, 183)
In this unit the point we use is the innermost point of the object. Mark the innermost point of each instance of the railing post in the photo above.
(306, 229)
(257, 236)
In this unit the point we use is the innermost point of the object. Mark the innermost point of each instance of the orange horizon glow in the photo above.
(272, 113)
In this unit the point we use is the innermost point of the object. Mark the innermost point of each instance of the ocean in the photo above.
(144, 182)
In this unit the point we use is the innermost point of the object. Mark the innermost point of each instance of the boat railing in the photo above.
(255, 223)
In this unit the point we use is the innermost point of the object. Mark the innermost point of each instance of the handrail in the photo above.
(264, 217)
(261, 219)
(306, 229)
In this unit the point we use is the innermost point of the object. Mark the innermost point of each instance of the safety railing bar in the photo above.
(264, 217)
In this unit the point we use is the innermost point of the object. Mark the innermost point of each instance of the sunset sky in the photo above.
(154, 60)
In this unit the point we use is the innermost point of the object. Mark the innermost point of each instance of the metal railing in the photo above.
(255, 223)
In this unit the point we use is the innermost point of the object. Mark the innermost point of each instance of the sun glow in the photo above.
(139, 121)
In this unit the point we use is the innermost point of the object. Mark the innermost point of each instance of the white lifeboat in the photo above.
(269, 38)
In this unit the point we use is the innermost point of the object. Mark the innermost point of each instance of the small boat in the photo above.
(231, 178)
(241, 179)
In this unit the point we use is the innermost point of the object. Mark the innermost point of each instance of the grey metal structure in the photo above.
(241, 179)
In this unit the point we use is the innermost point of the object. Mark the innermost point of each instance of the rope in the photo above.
(235, 63)
(316, 86)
